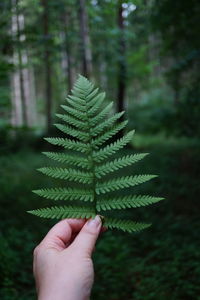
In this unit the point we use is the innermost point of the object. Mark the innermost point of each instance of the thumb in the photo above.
(86, 239)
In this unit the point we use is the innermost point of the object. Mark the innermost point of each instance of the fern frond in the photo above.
(78, 104)
(66, 194)
(106, 124)
(63, 212)
(73, 160)
(91, 94)
(112, 148)
(84, 85)
(78, 114)
(73, 121)
(117, 164)
(68, 144)
(125, 225)
(121, 183)
(126, 202)
(70, 174)
(107, 135)
(102, 114)
(90, 125)
(82, 136)
(75, 99)
(95, 104)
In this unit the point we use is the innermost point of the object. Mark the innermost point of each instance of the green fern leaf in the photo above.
(78, 89)
(117, 164)
(76, 102)
(106, 124)
(126, 202)
(121, 183)
(125, 225)
(112, 148)
(72, 121)
(66, 194)
(74, 112)
(95, 104)
(83, 84)
(82, 136)
(92, 94)
(73, 160)
(107, 135)
(68, 144)
(76, 105)
(102, 114)
(87, 122)
(62, 212)
(70, 174)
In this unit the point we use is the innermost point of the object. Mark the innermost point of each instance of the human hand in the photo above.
(62, 264)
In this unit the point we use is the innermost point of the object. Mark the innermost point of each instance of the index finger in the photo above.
(60, 234)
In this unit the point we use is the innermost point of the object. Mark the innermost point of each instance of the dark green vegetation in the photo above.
(160, 262)
(146, 56)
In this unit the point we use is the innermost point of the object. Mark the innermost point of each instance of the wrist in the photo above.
(66, 294)
(51, 294)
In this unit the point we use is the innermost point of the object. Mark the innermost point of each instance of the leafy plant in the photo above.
(89, 128)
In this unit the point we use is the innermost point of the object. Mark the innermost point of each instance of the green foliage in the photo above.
(180, 47)
(137, 260)
(91, 131)
(156, 113)
(152, 272)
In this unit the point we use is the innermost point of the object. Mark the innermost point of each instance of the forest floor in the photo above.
(156, 264)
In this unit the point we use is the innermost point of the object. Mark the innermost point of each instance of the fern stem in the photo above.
(92, 159)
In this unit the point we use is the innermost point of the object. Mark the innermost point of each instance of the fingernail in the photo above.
(94, 222)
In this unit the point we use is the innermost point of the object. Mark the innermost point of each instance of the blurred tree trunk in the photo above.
(30, 96)
(122, 59)
(122, 62)
(102, 73)
(86, 54)
(67, 49)
(16, 112)
(47, 64)
(23, 98)
(20, 38)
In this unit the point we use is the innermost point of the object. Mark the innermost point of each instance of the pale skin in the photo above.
(62, 264)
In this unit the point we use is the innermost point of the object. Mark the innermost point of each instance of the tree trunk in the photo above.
(47, 65)
(23, 88)
(16, 112)
(20, 38)
(122, 65)
(86, 55)
(122, 60)
(30, 97)
(67, 53)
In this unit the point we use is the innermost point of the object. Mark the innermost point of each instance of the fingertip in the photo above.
(95, 223)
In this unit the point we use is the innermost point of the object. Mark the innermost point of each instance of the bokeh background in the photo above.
(146, 55)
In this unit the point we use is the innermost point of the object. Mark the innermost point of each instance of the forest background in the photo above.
(146, 55)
